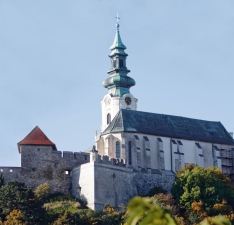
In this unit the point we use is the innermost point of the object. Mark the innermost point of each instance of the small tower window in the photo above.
(117, 150)
(129, 153)
(79, 190)
(108, 118)
(114, 63)
(120, 63)
(67, 172)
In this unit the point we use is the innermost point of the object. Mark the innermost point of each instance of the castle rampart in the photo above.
(110, 181)
(10, 173)
(40, 164)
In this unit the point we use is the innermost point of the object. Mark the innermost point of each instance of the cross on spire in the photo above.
(117, 17)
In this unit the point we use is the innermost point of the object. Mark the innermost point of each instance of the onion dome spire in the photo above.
(117, 41)
(119, 82)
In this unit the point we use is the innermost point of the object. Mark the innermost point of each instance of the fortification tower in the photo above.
(118, 84)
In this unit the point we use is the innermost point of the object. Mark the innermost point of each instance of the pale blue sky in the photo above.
(54, 57)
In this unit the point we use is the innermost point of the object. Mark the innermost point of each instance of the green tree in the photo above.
(140, 211)
(15, 218)
(110, 216)
(209, 186)
(220, 220)
(67, 219)
(16, 195)
(156, 190)
(42, 191)
(1, 180)
(165, 202)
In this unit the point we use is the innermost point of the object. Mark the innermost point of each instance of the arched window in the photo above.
(108, 118)
(129, 153)
(117, 148)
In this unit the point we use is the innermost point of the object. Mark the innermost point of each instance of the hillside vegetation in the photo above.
(199, 195)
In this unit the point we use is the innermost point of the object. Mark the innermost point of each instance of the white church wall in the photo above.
(216, 157)
(207, 153)
(110, 145)
(143, 159)
(161, 155)
(147, 152)
(189, 153)
(106, 105)
(199, 154)
(154, 153)
(167, 152)
(128, 137)
(115, 106)
(140, 148)
(174, 156)
(138, 151)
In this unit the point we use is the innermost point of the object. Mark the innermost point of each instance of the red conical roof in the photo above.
(37, 137)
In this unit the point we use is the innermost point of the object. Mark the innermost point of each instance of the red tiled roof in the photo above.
(37, 137)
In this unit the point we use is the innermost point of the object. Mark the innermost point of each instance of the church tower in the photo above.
(118, 84)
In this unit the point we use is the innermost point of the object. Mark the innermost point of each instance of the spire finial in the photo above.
(117, 18)
(117, 24)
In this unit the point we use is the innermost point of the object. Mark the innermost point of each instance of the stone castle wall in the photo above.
(40, 164)
(106, 180)
(98, 179)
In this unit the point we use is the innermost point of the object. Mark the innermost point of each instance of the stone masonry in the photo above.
(104, 180)
(40, 164)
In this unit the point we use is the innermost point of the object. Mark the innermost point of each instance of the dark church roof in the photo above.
(169, 126)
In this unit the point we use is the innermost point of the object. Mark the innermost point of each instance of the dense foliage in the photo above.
(42, 191)
(142, 212)
(15, 218)
(202, 192)
(17, 196)
(208, 185)
(1, 180)
(156, 190)
(198, 193)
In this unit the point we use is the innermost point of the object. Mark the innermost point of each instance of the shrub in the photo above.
(42, 191)
(141, 211)
(1, 180)
(166, 202)
(16, 195)
(15, 218)
(58, 197)
(156, 190)
(208, 185)
(67, 219)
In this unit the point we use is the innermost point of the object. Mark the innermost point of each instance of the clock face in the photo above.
(128, 100)
(107, 101)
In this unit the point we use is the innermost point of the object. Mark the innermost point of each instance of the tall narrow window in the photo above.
(120, 63)
(114, 63)
(108, 118)
(117, 150)
(129, 153)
